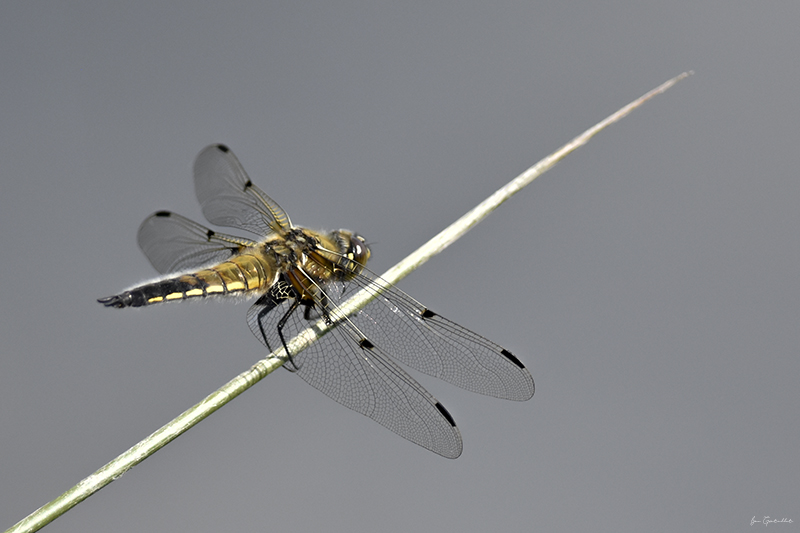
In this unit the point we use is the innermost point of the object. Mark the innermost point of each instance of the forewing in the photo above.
(360, 376)
(173, 243)
(230, 199)
(425, 341)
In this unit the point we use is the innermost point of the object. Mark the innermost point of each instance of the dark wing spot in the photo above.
(445, 414)
(427, 313)
(366, 344)
(163, 214)
(248, 184)
(510, 356)
(210, 233)
(223, 148)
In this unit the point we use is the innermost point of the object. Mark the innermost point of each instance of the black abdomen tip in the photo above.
(112, 301)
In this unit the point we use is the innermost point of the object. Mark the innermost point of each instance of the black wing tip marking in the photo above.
(511, 357)
(223, 148)
(427, 313)
(162, 214)
(446, 414)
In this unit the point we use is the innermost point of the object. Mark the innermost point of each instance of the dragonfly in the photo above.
(302, 276)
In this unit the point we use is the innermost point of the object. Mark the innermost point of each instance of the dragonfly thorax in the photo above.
(311, 259)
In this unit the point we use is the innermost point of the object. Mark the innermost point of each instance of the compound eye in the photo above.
(357, 248)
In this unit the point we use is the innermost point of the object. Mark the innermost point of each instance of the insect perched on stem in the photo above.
(300, 277)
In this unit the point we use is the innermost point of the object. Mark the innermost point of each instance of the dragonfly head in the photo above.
(353, 246)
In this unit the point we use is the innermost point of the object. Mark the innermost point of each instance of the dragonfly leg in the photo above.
(281, 324)
(279, 292)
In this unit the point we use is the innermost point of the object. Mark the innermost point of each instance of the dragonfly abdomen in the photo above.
(242, 273)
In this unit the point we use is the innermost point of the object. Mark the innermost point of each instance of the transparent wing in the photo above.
(359, 375)
(230, 199)
(432, 344)
(173, 243)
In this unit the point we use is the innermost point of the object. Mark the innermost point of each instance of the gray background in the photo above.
(650, 281)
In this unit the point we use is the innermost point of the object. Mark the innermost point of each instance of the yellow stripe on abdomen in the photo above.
(246, 272)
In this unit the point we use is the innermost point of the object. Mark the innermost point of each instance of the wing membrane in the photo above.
(364, 379)
(353, 363)
(434, 345)
(230, 199)
(173, 243)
